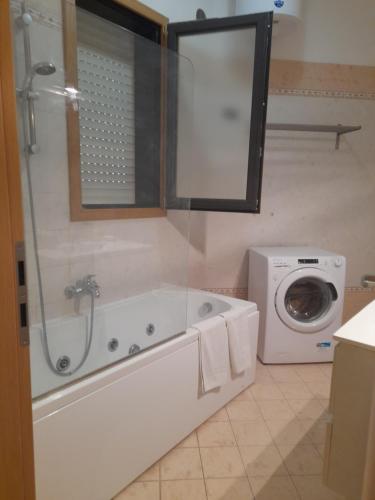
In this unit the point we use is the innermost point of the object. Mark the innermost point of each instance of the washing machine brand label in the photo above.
(324, 345)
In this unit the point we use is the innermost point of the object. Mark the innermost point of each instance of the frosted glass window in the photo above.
(222, 170)
(223, 75)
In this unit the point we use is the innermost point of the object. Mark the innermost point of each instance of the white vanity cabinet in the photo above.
(349, 467)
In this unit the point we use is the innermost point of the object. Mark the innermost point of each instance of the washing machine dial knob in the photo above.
(338, 262)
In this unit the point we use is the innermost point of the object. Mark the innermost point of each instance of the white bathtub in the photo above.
(169, 310)
(94, 436)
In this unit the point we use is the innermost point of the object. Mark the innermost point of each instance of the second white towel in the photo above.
(214, 353)
(240, 327)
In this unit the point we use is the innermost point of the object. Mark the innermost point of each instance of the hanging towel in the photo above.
(241, 325)
(213, 353)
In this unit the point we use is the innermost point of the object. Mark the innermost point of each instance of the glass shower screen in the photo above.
(80, 323)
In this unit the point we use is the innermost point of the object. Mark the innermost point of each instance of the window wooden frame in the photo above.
(78, 212)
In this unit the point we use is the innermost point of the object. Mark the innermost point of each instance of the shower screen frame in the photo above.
(78, 211)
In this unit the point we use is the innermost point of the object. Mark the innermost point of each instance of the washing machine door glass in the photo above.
(306, 300)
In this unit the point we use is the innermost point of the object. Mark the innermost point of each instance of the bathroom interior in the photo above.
(197, 190)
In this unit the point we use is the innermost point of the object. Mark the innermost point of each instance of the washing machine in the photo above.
(300, 296)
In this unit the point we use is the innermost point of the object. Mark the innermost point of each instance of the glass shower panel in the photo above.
(99, 291)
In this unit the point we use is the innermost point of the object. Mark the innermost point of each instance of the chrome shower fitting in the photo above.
(27, 97)
(84, 286)
(26, 93)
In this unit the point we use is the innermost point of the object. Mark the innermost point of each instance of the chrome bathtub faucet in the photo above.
(84, 286)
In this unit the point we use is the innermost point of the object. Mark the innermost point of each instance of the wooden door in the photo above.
(16, 444)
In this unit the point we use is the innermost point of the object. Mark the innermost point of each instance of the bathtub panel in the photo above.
(92, 448)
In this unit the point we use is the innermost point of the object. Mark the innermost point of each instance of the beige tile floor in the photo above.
(266, 444)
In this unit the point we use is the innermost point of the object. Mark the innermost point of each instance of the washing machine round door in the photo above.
(306, 300)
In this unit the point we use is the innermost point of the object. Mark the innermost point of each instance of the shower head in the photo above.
(40, 68)
(43, 69)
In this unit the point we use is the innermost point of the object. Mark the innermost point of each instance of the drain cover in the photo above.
(63, 363)
(150, 329)
(134, 348)
(113, 345)
(205, 309)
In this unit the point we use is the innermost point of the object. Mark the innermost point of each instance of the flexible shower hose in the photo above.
(44, 336)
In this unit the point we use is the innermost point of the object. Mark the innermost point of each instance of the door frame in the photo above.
(16, 437)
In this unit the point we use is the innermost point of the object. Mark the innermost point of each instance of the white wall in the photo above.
(333, 31)
(128, 257)
(339, 220)
(178, 10)
(312, 195)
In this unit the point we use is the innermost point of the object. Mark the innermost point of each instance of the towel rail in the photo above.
(339, 129)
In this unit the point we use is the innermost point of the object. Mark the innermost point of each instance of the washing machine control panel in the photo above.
(308, 261)
(280, 262)
(338, 262)
(289, 262)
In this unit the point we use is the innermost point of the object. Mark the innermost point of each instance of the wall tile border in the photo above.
(308, 79)
(356, 297)
(52, 21)
(370, 96)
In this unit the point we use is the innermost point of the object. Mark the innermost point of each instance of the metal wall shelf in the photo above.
(339, 130)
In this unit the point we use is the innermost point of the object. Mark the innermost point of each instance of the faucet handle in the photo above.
(92, 284)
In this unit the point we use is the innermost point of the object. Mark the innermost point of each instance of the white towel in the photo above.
(213, 353)
(241, 324)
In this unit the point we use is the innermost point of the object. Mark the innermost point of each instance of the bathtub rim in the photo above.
(51, 402)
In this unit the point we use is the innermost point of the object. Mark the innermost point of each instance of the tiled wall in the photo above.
(334, 31)
(312, 195)
(356, 298)
(128, 257)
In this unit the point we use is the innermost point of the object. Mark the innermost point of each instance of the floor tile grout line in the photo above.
(276, 447)
(203, 474)
(249, 397)
(201, 479)
(293, 370)
(299, 495)
(272, 439)
(160, 493)
(242, 461)
(282, 458)
(318, 450)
